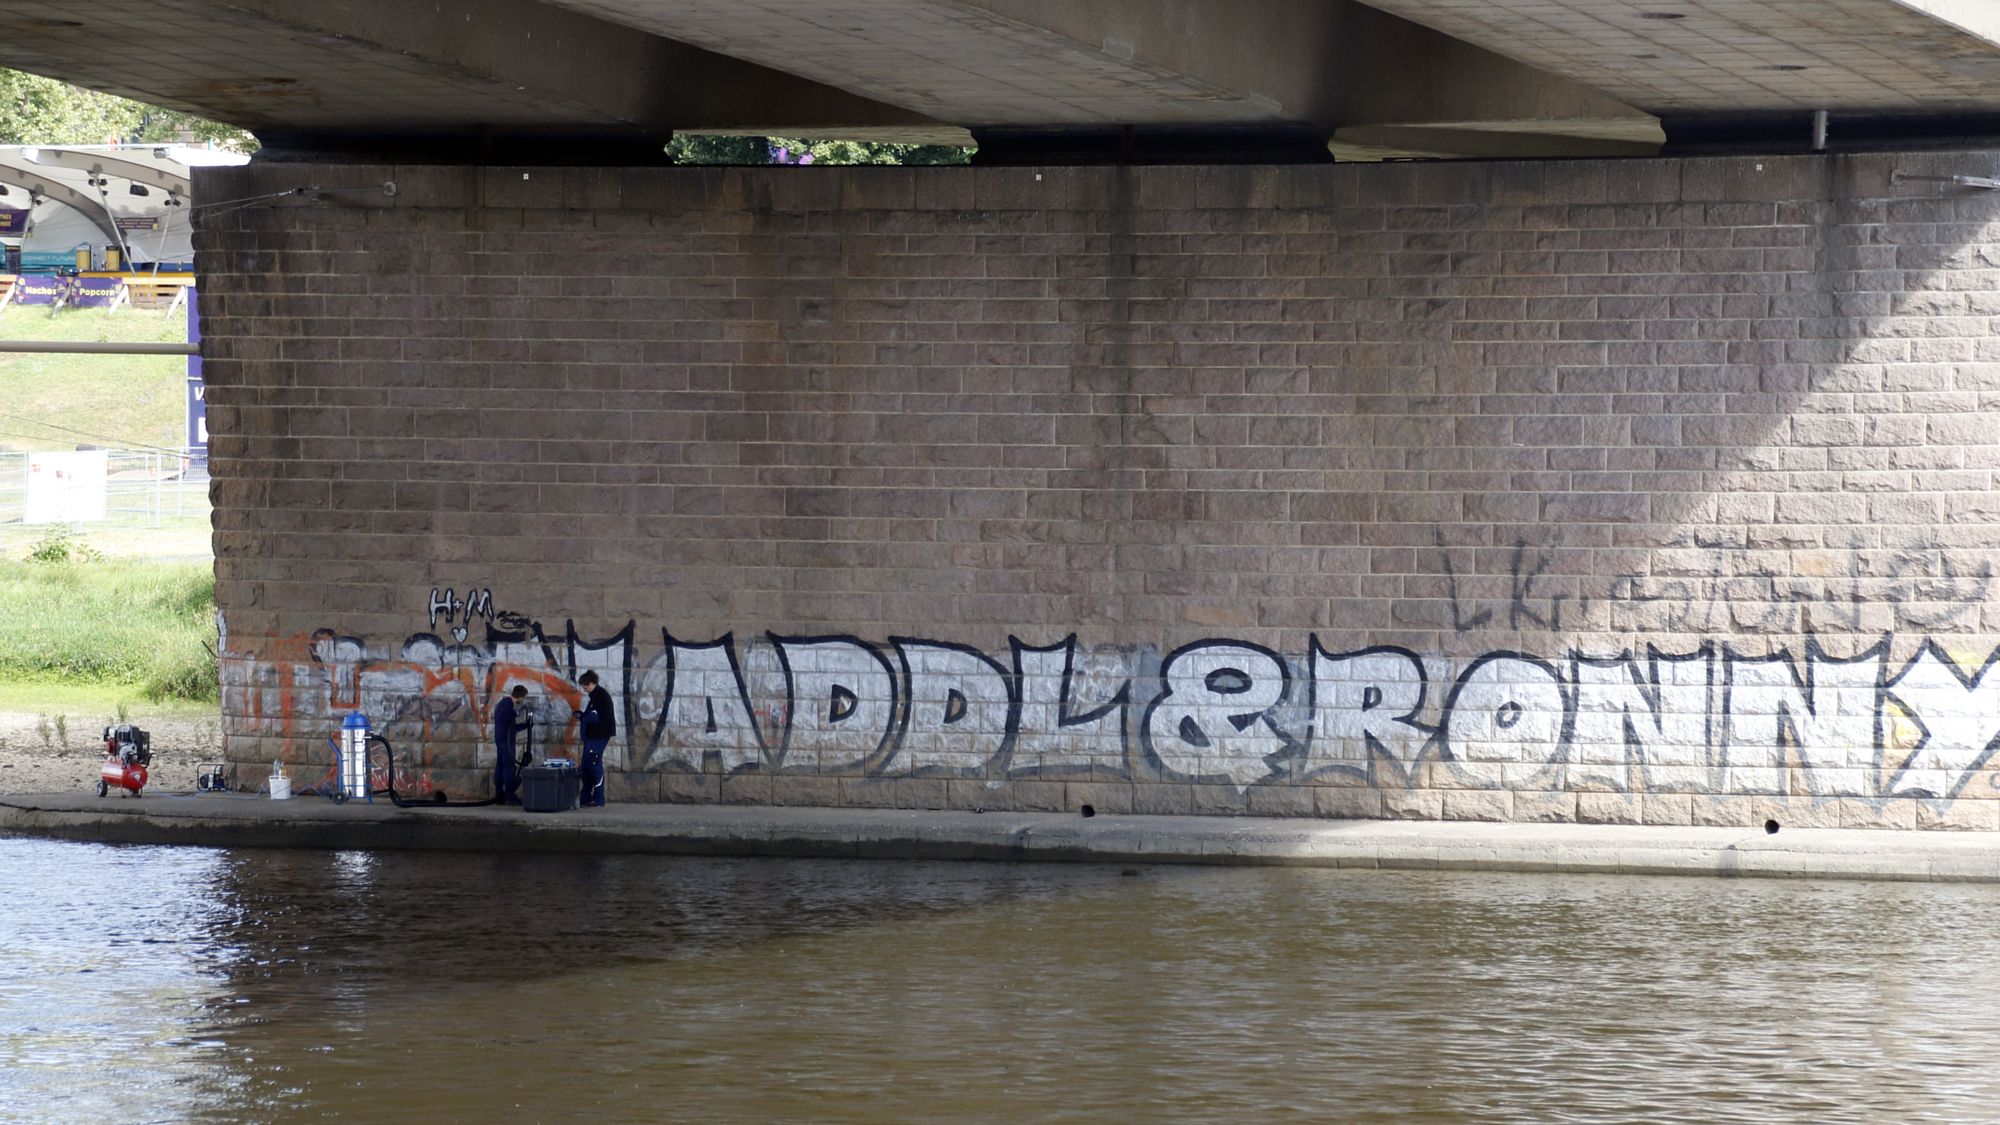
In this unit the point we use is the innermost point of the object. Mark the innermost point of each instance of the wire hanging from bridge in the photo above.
(386, 187)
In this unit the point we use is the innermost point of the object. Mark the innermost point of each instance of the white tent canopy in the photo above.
(132, 198)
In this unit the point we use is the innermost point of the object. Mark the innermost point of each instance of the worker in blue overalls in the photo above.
(510, 717)
(597, 724)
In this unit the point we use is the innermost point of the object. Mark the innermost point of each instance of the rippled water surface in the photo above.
(157, 984)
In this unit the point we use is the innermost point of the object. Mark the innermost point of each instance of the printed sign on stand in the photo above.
(96, 292)
(66, 487)
(37, 289)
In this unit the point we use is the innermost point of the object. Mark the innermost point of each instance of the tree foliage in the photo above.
(687, 149)
(43, 111)
(36, 110)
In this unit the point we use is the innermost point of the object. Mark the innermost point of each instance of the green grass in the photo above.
(112, 400)
(174, 539)
(131, 627)
(120, 625)
(88, 702)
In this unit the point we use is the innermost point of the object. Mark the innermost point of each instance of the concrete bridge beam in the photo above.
(1098, 80)
(454, 79)
(1045, 78)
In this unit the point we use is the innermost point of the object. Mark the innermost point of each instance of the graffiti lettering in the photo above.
(1057, 735)
(1212, 717)
(840, 703)
(959, 715)
(1222, 711)
(1642, 729)
(1827, 715)
(704, 710)
(1365, 705)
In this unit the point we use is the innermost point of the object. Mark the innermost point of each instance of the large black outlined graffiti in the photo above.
(1223, 711)
(1646, 728)
(1365, 712)
(960, 710)
(1213, 716)
(840, 704)
(1955, 715)
(1826, 716)
(1059, 734)
(702, 707)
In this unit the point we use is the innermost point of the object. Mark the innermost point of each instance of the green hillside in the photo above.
(115, 400)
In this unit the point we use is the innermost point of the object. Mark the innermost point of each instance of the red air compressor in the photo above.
(127, 752)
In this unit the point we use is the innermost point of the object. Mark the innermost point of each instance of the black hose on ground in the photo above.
(434, 801)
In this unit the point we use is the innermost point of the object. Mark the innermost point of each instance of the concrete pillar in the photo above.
(1647, 490)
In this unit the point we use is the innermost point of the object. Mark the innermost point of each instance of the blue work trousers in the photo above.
(593, 772)
(506, 772)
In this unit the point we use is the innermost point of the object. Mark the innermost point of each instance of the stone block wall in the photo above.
(1650, 491)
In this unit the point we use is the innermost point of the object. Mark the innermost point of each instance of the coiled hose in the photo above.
(436, 799)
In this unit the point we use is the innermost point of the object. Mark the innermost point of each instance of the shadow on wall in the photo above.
(1743, 421)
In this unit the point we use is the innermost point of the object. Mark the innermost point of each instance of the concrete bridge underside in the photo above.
(1073, 80)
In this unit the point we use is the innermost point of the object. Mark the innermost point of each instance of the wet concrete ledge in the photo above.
(246, 821)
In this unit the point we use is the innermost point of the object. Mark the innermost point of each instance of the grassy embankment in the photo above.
(132, 400)
(128, 618)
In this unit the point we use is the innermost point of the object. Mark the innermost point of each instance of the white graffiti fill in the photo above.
(843, 702)
(1212, 717)
(1073, 709)
(1633, 730)
(611, 659)
(1366, 703)
(1216, 712)
(705, 711)
(959, 710)
(1504, 721)
(1828, 719)
(1959, 715)
(443, 602)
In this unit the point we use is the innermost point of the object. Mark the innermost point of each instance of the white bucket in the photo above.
(281, 788)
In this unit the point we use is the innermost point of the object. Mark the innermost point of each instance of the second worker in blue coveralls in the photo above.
(598, 723)
(511, 716)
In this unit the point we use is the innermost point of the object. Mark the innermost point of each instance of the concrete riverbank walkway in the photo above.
(247, 821)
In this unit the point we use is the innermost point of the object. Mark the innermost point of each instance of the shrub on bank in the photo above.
(184, 667)
(141, 623)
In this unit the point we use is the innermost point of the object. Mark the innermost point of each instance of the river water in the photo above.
(184, 984)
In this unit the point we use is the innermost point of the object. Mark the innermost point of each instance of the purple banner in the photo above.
(95, 292)
(13, 222)
(197, 396)
(39, 289)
